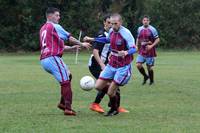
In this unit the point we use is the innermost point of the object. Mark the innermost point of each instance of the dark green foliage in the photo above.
(177, 21)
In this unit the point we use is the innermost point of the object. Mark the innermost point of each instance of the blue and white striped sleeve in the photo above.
(103, 39)
(128, 37)
(62, 33)
(129, 40)
(154, 32)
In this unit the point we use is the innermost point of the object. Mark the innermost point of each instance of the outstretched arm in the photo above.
(77, 42)
(68, 48)
(96, 39)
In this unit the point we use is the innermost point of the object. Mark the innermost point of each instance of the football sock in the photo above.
(113, 101)
(118, 97)
(142, 71)
(151, 76)
(66, 93)
(62, 101)
(99, 96)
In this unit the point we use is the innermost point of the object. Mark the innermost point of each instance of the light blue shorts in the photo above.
(149, 60)
(120, 75)
(56, 66)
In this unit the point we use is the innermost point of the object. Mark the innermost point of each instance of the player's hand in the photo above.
(122, 53)
(102, 66)
(149, 47)
(86, 45)
(88, 39)
(149, 43)
(76, 47)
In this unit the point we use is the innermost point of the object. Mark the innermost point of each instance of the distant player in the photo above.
(118, 70)
(52, 37)
(97, 63)
(147, 39)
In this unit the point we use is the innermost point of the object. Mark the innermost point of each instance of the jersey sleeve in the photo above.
(98, 45)
(154, 32)
(128, 37)
(138, 31)
(62, 33)
(103, 39)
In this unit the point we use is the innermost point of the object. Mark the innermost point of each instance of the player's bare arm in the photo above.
(77, 42)
(137, 44)
(68, 48)
(98, 59)
(154, 44)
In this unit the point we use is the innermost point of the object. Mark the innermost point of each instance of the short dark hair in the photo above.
(106, 17)
(51, 10)
(146, 16)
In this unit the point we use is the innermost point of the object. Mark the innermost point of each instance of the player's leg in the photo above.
(66, 90)
(150, 63)
(58, 69)
(122, 77)
(105, 78)
(120, 109)
(113, 99)
(95, 106)
(61, 105)
(139, 61)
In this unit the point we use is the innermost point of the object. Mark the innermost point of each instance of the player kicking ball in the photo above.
(97, 63)
(52, 37)
(118, 70)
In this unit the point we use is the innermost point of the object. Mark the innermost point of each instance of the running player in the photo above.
(146, 41)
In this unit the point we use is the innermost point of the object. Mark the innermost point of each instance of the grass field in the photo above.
(28, 98)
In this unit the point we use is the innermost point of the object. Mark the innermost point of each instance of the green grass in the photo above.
(28, 98)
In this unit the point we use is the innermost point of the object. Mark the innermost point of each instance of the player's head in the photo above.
(53, 15)
(145, 20)
(106, 22)
(116, 21)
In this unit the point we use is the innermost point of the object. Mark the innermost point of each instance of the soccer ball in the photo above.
(87, 83)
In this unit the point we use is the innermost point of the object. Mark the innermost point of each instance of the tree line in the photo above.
(177, 21)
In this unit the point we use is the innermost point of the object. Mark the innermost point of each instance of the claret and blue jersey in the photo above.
(146, 34)
(52, 37)
(120, 40)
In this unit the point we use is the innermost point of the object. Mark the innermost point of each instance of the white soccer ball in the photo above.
(87, 83)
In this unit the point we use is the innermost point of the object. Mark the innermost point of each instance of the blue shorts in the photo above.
(120, 75)
(149, 60)
(56, 66)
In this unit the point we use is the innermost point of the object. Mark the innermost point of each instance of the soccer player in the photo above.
(147, 39)
(97, 63)
(52, 37)
(118, 70)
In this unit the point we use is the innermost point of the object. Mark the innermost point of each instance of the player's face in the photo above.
(116, 23)
(107, 24)
(55, 17)
(145, 22)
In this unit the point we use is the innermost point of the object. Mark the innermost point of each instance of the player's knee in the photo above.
(97, 86)
(111, 94)
(149, 68)
(139, 65)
